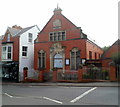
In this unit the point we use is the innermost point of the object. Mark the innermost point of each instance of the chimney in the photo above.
(17, 27)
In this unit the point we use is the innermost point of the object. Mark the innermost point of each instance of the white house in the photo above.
(21, 53)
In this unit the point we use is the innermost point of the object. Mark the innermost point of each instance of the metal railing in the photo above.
(67, 75)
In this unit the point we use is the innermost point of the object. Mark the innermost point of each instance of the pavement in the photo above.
(90, 84)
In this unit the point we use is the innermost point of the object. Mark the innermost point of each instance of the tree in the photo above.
(105, 48)
(116, 58)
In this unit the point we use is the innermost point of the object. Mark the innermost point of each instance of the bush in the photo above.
(86, 76)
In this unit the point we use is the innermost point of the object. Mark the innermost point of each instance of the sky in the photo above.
(97, 18)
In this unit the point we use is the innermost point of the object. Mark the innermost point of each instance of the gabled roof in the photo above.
(24, 30)
(13, 31)
(18, 32)
(62, 16)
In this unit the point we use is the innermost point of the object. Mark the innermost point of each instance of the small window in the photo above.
(95, 55)
(30, 37)
(59, 36)
(8, 38)
(24, 51)
(9, 52)
(51, 36)
(90, 54)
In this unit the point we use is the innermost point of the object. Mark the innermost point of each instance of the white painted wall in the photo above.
(29, 60)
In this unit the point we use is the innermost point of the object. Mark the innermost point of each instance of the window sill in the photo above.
(6, 59)
(24, 57)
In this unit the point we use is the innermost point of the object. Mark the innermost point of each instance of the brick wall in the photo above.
(94, 49)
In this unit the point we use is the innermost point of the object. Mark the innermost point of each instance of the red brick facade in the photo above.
(15, 42)
(74, 39)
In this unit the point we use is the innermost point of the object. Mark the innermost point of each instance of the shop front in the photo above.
(10, 71)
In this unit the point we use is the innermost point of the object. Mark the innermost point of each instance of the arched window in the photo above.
(58, 61)
(41, 59)
(75, 59)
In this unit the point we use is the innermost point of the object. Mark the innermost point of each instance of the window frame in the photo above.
(57, 36)
(74, 57)
(90, 54)
(30, 39)
(8, 37)
(6, 52)
(25, 51)
(41, 59)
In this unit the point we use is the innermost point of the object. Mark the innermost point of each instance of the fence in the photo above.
(82, 75)
(86, 74)
(67, 75)
(96, 73)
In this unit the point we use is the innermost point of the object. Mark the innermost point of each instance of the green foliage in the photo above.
(104, 71)
(86, 76)
(105, 48)
(116, 58)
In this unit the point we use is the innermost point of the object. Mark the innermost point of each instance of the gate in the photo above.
(47, 76)
(67, 75)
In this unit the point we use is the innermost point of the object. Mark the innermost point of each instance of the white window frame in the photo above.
(25, 51)
(30, 39)
(8, 37)
(6, 53)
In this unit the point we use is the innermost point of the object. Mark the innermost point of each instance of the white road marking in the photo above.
(82, 95)
(8, 95)
(18, 97)
(52, 100)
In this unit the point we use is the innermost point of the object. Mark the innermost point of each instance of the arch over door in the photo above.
(58, 61)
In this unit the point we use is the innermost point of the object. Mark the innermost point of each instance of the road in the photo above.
(58, 95)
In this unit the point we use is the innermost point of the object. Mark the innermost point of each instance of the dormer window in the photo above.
(8, 37)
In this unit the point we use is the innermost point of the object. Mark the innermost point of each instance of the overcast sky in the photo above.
(97, 18)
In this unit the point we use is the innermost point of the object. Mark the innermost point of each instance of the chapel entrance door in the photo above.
(58, 61)
(57, 56)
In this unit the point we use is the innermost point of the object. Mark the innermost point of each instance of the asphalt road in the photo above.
(58, 95)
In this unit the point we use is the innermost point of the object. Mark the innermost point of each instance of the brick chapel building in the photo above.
(63, 45)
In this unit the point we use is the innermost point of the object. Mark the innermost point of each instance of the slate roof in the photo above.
(13, 31)
(18, 32)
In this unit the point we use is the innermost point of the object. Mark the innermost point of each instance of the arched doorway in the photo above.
(58, 61)
(57, 56)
